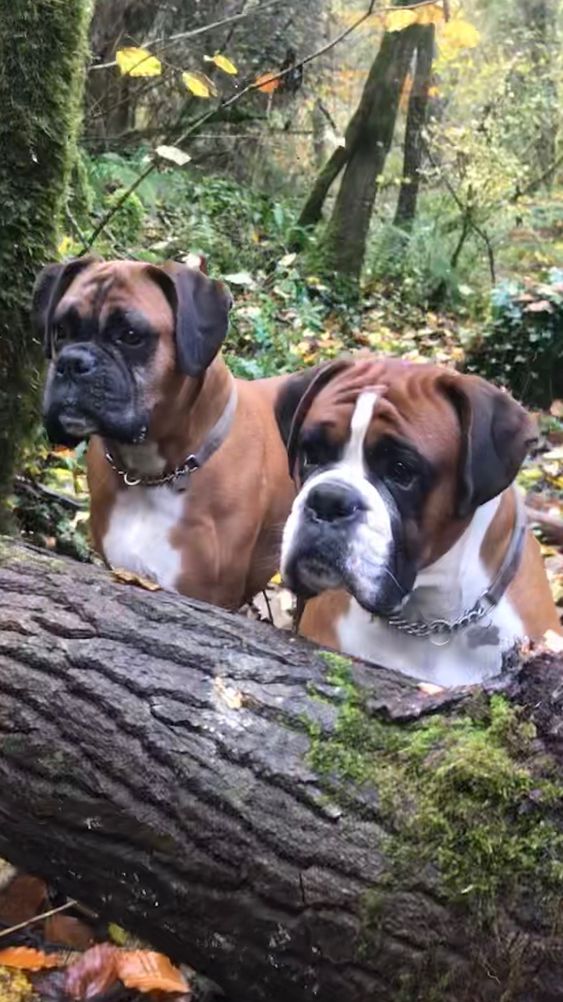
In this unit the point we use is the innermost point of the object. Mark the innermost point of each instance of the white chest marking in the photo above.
(441, 591)
(138, 535)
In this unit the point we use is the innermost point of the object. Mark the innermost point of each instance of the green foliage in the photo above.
(522, 346)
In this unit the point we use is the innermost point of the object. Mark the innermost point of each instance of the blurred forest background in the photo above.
(362, 175)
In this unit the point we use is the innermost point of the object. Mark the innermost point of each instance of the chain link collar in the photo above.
(444, 629)
(189, 466)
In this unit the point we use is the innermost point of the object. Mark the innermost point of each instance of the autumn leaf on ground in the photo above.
(267, 83)
(14, 986)
(127, 577)
(149, 972)
(22, 899)
(136, 62)
(199, 84)
(24, 958)
(177, 156)
(93, 973)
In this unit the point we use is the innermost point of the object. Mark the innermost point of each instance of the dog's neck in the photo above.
(452, 585)
(180, 427)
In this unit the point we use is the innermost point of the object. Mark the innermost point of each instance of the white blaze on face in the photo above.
(369, 538)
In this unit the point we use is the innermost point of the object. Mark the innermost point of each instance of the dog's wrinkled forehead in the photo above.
(407, 403)
(107, 286)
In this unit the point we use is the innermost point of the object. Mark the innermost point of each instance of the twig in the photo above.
(163, 43)
(196, 125)
(71, 903)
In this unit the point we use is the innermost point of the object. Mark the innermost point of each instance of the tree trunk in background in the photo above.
(416, 119)
(540, 20)
(293, 824)
(42, 59)
(344, 243)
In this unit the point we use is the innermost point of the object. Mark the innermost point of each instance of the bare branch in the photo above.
(163, 43)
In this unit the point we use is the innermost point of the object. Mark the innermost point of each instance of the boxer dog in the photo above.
(407, 526)
(186, 468)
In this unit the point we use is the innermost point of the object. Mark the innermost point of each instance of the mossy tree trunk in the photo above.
(43, 45)
(416, 119)
(344, 242)
(294, 825)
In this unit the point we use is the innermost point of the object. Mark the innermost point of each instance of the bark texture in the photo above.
(42, 58)
(416, 120)
(345, 239)
(271, 814)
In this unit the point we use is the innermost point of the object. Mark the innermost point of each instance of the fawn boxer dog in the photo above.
(186, 468)
(407, 526)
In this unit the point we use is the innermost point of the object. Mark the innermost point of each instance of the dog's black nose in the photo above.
(77, 361)
(333, 502)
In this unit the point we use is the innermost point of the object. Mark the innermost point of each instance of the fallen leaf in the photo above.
(553, 641)
(232, 697)
(148, 971)
(174, 154)
(68, 931)
(429, 689)
(137, 62)
(128, 577)
(540, 306)
(24, 958)
(93, 973)
(22, 899)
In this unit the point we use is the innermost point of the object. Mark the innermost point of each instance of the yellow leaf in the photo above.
(64, 246)
(136, 62)
(128, 577)
(459, 34)
(199, 84)
(276, 580)
(222, 62)
(397, 20)
(432, 13)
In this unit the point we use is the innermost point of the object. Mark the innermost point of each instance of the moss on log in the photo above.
(42, 60)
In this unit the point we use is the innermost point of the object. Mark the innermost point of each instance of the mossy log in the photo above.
(295, 825)
(43, 46)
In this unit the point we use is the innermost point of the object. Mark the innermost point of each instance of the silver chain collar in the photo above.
(189, 466)
(441, 627)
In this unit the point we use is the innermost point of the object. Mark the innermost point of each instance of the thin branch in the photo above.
(196, 125)
(163, 43)
(71, 903)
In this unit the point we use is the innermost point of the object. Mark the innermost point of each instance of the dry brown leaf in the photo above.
(27, 959)
(65, 930)
(128, 577)
(22, 899)
(93, 973)
(148, 971)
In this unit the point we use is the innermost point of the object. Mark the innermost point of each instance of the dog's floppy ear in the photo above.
(50, 286)
(201, 312)
(295, 399)
(496, 434)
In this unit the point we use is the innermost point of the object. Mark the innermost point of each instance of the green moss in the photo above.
(43, 46)
(463, 793)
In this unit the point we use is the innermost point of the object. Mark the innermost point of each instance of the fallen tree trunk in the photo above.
(293, 825)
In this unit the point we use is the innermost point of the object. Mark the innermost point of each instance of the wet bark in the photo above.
(157, 763)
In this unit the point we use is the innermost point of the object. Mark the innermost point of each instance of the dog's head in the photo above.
(392, 459)
(123, 339)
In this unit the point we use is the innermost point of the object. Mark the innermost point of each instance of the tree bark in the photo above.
(416, 119)
(271, 814)
(345, 239)
(42, 57)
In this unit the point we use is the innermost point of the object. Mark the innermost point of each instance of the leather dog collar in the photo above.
(178, 478)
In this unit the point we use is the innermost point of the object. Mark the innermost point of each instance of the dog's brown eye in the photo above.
(131, 338)
(402, 474)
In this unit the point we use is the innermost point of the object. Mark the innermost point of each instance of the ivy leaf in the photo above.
(199, 84)
(174, 154)
(136, 62)
(222, 62)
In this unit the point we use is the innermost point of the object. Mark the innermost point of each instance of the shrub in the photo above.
(522, 346)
